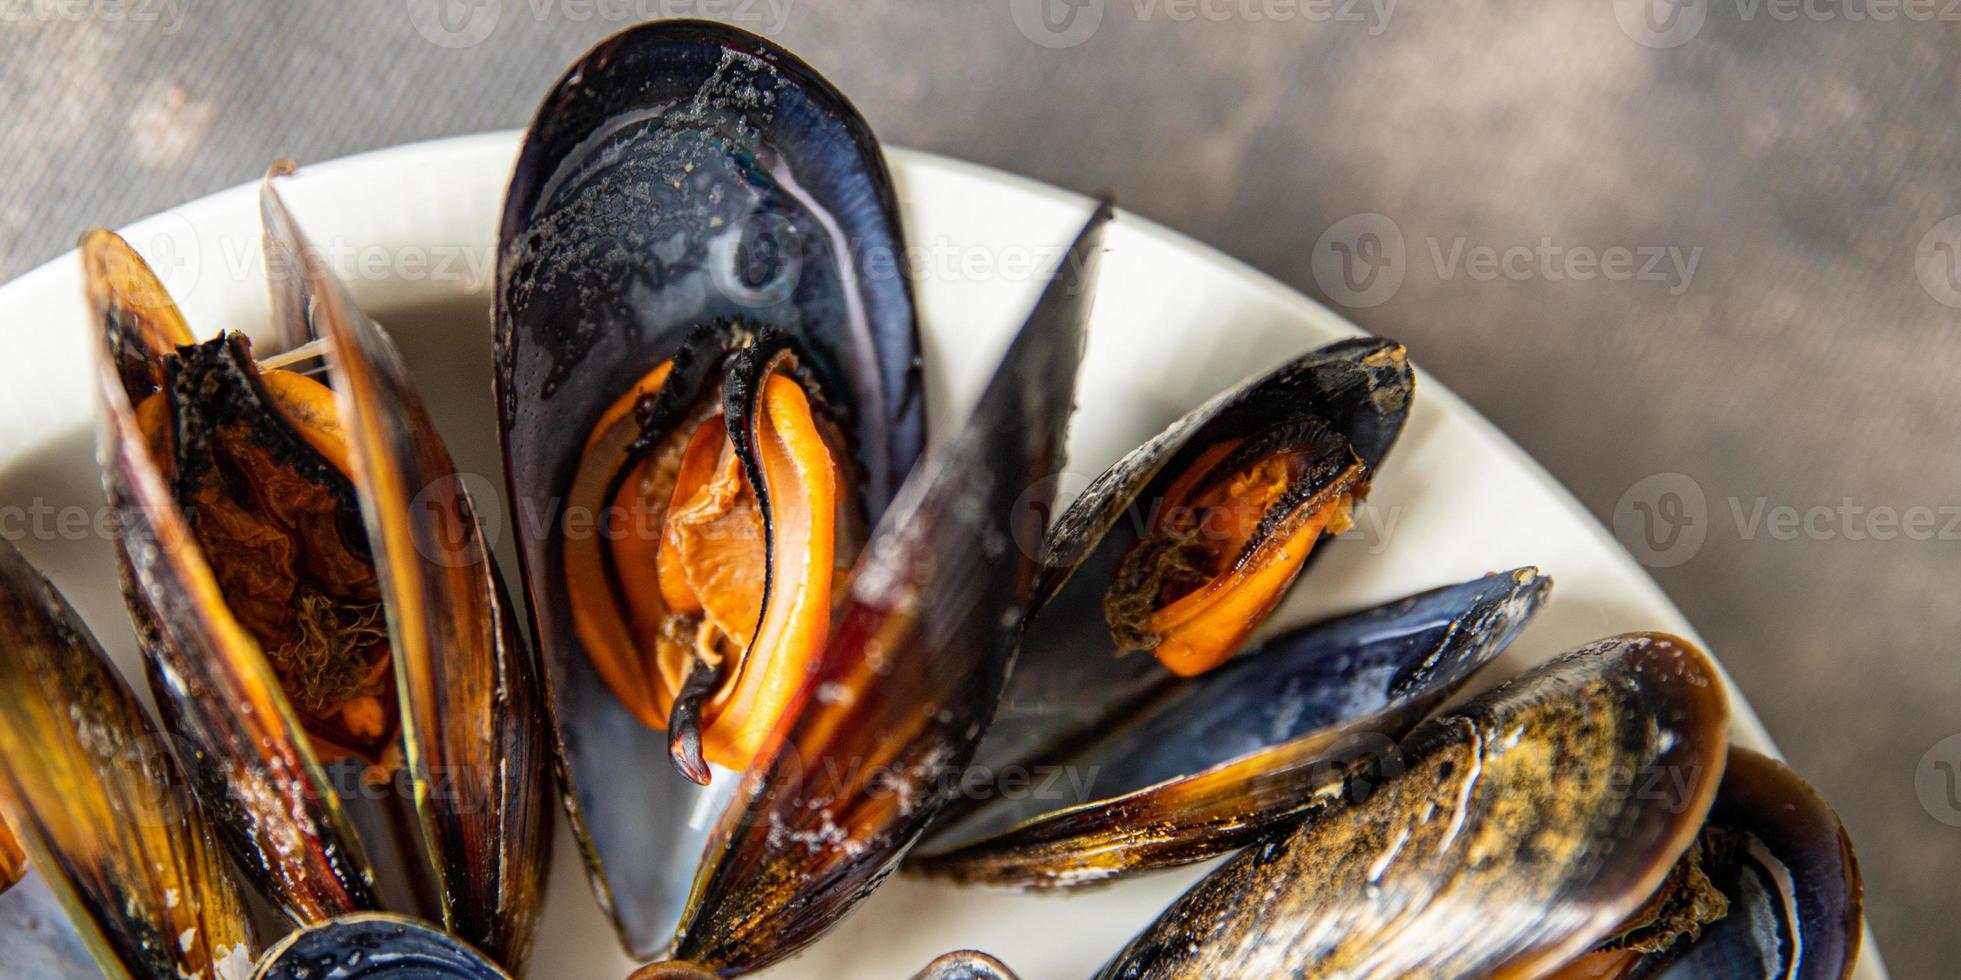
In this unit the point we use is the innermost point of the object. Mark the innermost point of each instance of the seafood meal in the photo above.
(773, 625)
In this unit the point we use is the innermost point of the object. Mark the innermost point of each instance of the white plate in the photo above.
(413, 228)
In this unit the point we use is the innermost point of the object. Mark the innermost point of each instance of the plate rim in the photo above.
(58, 280)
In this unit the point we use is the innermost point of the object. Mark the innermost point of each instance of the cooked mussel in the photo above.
(920, 646)
(301, 609)
(1505, 837)
(1774, 891)
(373, 944)
(1225, 507)
(1198, 767)
(709, 390)
(965, 964)
(1200, 531)
(100, 805)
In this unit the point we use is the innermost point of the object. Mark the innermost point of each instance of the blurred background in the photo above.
(1701, 258)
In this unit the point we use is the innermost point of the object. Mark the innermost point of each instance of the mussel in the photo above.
(709, 389)
(1546, 822)
(107, 815)
(374, 945)
(964, 964)
(1200, 531)
(312, 594)
(1777, 887)
(101, 806)
(920, 648)
(1198, 767)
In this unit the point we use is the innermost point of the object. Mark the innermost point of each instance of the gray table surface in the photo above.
(1804, 157)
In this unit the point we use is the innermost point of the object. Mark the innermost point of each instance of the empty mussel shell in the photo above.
(1202, 766)
(100, 805)
(1503, 838)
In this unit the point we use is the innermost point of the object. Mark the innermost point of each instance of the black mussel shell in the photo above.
(1202, 766)
(1068, 671)
(687, 190)
(242, 744)
(475, 734)
(1503, 838)
(1784, 864)
(377, 945)
(919, 648)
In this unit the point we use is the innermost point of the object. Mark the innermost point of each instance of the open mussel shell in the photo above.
(684, 173)
(919, 648)
(1322, 422)
(696, 216)
(1504, 838)
(1795, 897)
(1790, 892)
(249, 760)
(1203, 766)
(964, 964)
(378, 945)
(100, 805)
(474, 731)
